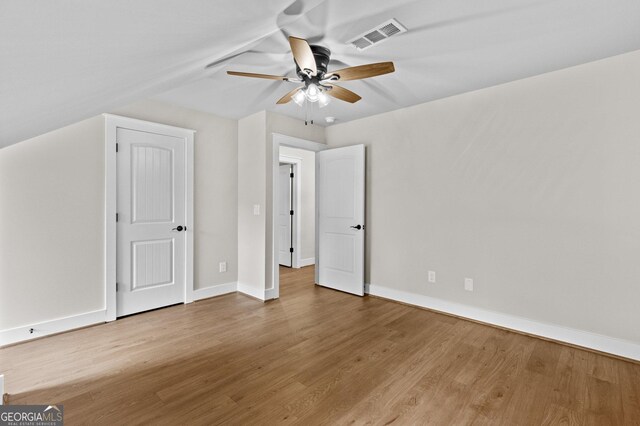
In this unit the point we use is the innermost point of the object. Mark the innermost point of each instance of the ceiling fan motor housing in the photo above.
(322, 55)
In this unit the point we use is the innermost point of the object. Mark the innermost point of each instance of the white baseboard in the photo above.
(251, 291)
(611, 345)
(307, 262)
(269, 294)
(214, 290)
(20, 334)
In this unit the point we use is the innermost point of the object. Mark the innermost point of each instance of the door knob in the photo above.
(358, 227)
(180, 228)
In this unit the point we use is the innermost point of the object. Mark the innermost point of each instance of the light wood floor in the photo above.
(316, 356)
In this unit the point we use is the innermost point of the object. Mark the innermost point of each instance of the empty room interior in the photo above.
(320, 212)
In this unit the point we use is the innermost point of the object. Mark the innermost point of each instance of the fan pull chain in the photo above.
(308, 112)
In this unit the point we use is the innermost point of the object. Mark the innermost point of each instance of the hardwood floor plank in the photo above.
(544, 358)
(316, 356)
(570, 383)
(557, 415)
(630, 385)
(603, 403)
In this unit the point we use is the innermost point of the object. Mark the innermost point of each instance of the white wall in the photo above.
(531, 188)
(52, 214)
(307, 213)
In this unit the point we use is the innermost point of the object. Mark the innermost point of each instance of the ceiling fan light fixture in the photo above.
(299, 97)
(312, 93)
(323, 99)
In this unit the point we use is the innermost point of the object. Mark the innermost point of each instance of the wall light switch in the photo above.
(223, 266)
(432, 276)
(256, 209)
(468, 284)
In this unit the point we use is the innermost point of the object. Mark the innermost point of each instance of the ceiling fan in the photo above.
(311, 68)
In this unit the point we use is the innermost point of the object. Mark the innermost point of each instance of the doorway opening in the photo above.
(296, 208)
(293, 236)
(338, 214)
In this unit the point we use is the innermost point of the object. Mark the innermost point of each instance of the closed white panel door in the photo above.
(151, 256)
(284, 216)
(340, 199)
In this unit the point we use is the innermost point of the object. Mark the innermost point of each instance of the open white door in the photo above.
(340, 199)
(151, 200)
(284, 215)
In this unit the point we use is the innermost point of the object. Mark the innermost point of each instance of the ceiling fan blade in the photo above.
(303, 55)
(343, 94)
(286, 98)
(250, 74)
(362, 71)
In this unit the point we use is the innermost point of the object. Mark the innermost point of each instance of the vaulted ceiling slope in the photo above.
(64, 61)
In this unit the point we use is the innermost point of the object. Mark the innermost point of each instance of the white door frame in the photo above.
(112, 123)
(296, 205)
(278, 140)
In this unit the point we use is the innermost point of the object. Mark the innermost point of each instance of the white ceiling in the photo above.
(67, 60)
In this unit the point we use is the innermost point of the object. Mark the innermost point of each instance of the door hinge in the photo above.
(117, 217)
(116, 146)
(117, 287)
(290, 249)
(291, 212)
(290, 174)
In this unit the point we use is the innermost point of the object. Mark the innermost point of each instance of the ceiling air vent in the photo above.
(378, 34)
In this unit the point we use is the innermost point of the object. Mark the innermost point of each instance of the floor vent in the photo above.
(378, 34)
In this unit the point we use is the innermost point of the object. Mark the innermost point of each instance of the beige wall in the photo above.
(255, 180)
(52, 225)
(52, 197)
(307, 213)
(531, 188)
(251, 228)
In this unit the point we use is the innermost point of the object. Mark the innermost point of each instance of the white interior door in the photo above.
(151, 200)
(340, 199)
(284, 215)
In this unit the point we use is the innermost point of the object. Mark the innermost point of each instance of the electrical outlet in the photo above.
(468, 284)
(223, 266)
(432, 276)
(256, 209)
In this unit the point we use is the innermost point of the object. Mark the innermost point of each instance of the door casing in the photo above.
(112, 123)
